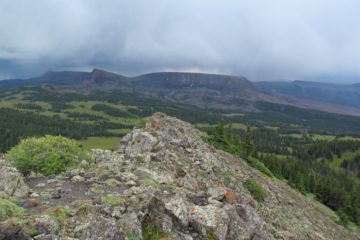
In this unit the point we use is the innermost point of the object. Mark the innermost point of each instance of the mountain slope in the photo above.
(164, 181)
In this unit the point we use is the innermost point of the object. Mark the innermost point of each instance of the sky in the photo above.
(263, 40)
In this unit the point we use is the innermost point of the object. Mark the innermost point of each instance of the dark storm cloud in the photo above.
(263, 40)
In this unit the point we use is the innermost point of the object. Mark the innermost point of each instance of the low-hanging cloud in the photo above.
(260, 39)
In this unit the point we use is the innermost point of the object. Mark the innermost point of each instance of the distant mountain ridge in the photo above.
(329, 93)
(200, 89)
(209, 91)
(151, 80)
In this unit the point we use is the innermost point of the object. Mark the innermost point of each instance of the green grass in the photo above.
(322, 208)
(113, 200)
(148, 182)
(107, 143)
(10, 99)
(11, 102)
(234, 115)
(336, 162)
(234, 125)
(349, 138)
(60, 214)
(80, 107)
(151, 232)
(274, 128)
(255, 163)
(9, 209)
(293, 135)
(44, 105)
(85, 107)
(321, 137)
(121, 131)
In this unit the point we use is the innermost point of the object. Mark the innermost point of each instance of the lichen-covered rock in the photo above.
(138, 142)
(98, 228)
(179, 208)
(210, 220)
(217, 193)
(11, 181)
(45, 225)
(12, 231)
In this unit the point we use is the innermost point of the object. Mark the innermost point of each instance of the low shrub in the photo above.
(256, 190)
(113, 200)
(150, 231)
(46, 155)
(343, 218)
(255, 163)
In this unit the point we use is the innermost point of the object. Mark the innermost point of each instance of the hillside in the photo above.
(163, 182)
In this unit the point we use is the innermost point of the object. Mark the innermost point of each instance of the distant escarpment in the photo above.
(199, 89)
(209, 91)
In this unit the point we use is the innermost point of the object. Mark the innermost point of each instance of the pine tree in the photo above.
(249, 146)
(219, 133)
(229, 134)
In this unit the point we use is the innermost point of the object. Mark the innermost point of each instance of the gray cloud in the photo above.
(261, 39)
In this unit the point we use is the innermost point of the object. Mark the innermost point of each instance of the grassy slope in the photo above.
(108, 143)
(234, 125)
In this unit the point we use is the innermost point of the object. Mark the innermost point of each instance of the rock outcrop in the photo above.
(163, 182)
(11, 181)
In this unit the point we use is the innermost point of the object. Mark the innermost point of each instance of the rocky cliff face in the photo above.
(163, 182)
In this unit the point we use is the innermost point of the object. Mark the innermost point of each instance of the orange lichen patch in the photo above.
(229, 196)
(154, 124)
(33, 202)
(192, 210)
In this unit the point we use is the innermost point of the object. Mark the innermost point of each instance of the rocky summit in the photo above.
(163, 182)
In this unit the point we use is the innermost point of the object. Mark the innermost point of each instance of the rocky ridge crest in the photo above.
(163, 178)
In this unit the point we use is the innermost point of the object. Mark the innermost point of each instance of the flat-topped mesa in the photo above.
(188, 80)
